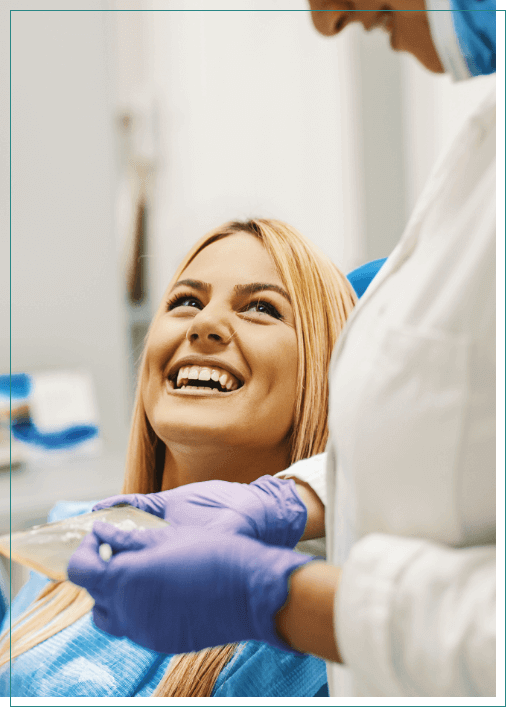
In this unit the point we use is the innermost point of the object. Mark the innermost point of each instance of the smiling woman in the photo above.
(232, 386)
(276, 342)
(214, 365)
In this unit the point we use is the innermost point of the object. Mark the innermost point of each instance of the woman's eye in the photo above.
(264, 308)
(185, 301)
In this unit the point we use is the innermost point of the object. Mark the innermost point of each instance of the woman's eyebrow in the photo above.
(259, 287)
(196, 284)
(249, 289)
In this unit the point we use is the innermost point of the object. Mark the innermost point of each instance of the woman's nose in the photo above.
(210, 326)
(327, 20)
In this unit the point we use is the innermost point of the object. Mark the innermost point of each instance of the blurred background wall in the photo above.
(66, 293)
(251, 112)
(138, 126)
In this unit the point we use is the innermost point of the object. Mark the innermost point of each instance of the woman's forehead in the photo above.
(239, 259)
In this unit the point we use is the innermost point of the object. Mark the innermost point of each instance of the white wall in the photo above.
(67, 310)
(380, 134)
(256, 117)
(4, 184)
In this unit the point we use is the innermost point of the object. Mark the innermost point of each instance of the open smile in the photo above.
(206, 377)
(199, 390)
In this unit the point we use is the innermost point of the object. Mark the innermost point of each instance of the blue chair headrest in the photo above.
(361, 277)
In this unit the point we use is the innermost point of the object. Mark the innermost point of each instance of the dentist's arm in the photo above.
(183, 589)
(306, 621)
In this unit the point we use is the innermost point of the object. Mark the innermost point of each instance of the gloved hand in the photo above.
(268, 509)
(181, 589)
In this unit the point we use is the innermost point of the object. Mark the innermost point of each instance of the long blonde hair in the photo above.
(322, 299)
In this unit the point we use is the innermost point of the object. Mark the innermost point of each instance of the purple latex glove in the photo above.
(182, 589)
(268, 509)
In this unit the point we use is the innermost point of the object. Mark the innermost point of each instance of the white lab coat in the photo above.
(410, 486)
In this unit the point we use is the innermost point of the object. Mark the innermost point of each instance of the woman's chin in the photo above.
(200, 428)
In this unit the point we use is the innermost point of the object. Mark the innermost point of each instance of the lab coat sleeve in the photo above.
(414, 618)
(312, 471)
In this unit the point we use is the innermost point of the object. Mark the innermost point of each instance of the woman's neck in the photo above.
(186, 465)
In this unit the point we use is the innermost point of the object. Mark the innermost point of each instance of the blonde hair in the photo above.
(322, 299)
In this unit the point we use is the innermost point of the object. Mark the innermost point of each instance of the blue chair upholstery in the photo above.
(361, 277)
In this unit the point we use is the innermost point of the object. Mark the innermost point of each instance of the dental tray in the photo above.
(47, 548)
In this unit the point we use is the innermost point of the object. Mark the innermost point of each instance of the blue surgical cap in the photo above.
(474, 23)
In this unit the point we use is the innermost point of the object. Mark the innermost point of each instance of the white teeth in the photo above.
(205, 373)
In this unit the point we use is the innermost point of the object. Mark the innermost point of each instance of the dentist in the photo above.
(405, 604)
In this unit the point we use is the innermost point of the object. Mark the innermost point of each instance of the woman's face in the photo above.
(222, 357)
(405, 21)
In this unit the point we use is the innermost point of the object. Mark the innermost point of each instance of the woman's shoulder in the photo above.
(260, 670)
